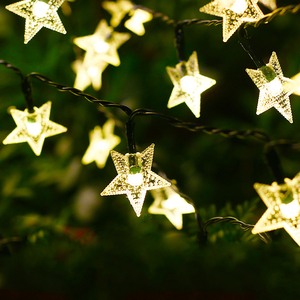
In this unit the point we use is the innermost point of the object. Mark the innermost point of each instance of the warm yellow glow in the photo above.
(135, 179)
(102, 141)
(33, 128)
(234, 13)
(38, 15)
(188, 84)
(274, 88)
(135, 23)
(102, 45)
(169, 203)
(39, 9)
(283, 205)
(271, 4)
(290, 210)
(296, 84)
(126, 182)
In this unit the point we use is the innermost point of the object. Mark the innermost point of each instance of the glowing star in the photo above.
(296, 84)
(38, 14)
(135, 23)
(234, 13)
(102, 141)
(88, 74)
(33, 128)
(283, 204)
(169, 203)
(118, 10)
(102, 45)
(134, 177)
(274, 89)
(271, 4)
(188, 84)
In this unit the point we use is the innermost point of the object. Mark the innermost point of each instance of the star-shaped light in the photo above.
(102, 141)
(274, 89)
(88, 74)
(102, 45)
(234, 13)
(134, 177)
(169, 203)
(118, 10)
(38, 14)
(135, 23)
(271, 4)
(296, 84)
(188, 84)
(283, 204)
(33, 128)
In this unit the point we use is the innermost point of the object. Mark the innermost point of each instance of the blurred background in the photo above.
(76, 244)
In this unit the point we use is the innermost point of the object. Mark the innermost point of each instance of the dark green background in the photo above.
(146, 257)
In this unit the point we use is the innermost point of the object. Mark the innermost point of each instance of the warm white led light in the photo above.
(93, 71)
(188, 84)
(101, 47)
(135, 179)
(274, 87)
(172, 202)
(238, 6)
(34, 128)
(40, 9)
(290, 210)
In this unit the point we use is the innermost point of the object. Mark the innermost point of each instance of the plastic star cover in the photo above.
(38, 14)
(33, 128)
(234, 13)
(274, 88)
(283, 205)
(134, 177)
(188, 84)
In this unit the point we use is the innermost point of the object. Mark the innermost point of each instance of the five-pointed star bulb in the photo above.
(102, 141)
(88, 74)
(134, 177)
(274, 89)
(38, 14)
(188, 84)
(135, 23)
(283, 202)
(102, 45)
(271, 4)
(234, 13)
(169, 203)
(33, 128)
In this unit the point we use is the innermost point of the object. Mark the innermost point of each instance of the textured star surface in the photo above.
(188, 84)
(38, 14)
(102, 141)
(33, 128)
(234, 13)
(271, 4)
(134, 177)
(102, 45)
(136, 22)
(118, 10)
(88, 74)
(274, 89)
(169, 203)
(283, 207)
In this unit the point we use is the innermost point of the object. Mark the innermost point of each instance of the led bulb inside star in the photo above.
(135, 179)
(188, 83)
(101, 47)
(34, 127)
(238, 6)
(290, 210)
(274, 87)
(172, 202)
(40, 9)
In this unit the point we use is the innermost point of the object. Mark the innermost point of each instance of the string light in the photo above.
(188, 84)
(283, 205)
(38, 14)
(87, 75)
(102, 45)
(169, 203)
(274, 89)
(135, 23)
(234, 13)
(33, 128)
(134, 177)
(102, 141)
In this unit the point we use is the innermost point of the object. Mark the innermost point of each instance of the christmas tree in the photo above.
(61, 239)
